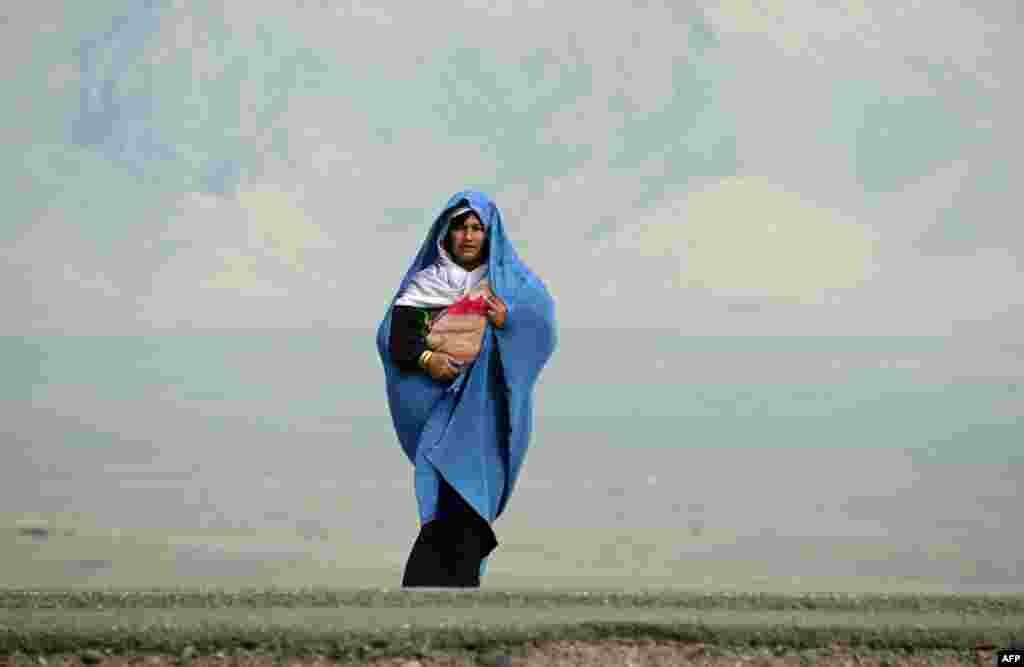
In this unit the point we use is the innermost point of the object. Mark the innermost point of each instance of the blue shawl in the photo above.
(474, 432)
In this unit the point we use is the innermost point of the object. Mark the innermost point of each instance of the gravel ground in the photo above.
(558, 653)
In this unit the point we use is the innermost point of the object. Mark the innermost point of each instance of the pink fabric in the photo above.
(466, 305)
(459, 330)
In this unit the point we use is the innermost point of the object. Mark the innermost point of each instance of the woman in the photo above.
(462, 345)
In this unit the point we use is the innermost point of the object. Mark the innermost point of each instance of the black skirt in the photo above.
(448, 551)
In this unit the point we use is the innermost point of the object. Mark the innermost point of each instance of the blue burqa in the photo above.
(474, 432)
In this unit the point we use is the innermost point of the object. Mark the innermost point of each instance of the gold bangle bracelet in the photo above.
(425, 357)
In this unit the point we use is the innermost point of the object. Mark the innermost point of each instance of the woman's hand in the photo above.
(497, 311)
(443, 367)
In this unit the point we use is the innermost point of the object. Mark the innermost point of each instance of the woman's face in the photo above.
(467, 241)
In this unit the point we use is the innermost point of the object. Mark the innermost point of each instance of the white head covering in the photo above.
(444, 282)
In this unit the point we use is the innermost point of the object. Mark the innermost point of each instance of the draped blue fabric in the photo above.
(474, 432)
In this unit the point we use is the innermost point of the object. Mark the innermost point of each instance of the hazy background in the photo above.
(783, 238)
